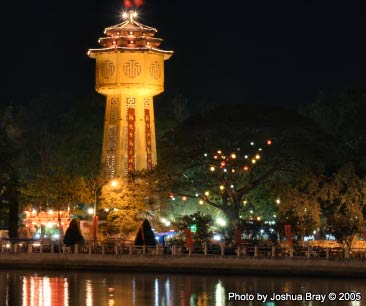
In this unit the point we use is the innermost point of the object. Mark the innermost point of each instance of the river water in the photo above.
(45, 288)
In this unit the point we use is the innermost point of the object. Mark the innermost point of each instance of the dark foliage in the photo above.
(73, 234)
(145, 235)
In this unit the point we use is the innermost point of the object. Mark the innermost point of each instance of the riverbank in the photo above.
(284, 266)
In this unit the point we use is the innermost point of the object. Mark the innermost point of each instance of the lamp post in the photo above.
(95, 218)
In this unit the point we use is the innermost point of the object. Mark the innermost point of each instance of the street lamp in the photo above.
(114, 183)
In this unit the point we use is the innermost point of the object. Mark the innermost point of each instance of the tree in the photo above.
(341, 115)
(9, 178)
(127, 202)
(43, 161)
(222, 158)
(200, 225)
(298, 204)
(145, 235)
(73, 234)
(224, 180)
(344, 204)
(57, 191)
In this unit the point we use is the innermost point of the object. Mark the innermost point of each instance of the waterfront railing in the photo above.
(123, 247)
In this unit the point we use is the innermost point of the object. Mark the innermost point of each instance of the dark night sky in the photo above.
(280, 52)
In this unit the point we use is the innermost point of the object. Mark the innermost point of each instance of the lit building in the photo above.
(129, 72)
(44, 224)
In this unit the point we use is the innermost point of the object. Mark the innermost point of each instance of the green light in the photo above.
(193, 228)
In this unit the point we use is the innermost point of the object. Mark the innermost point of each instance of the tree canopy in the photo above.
(222, 157)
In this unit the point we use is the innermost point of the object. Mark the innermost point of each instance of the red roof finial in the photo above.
(130, 3)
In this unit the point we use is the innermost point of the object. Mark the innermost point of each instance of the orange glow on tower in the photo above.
(129, 72)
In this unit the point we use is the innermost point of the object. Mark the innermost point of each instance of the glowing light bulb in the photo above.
(233, 155)
(269, 141)
(253, 161)
(114, 183)
(212, 168)
(219, 152)
(207, 193)
(222, 187)
(252, 143)
(245, 168)
(200, 202)
(257, 156)
(220, 221)
(184, 198)
(278, 201)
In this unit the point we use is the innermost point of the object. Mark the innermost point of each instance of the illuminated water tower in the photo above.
(129, 72)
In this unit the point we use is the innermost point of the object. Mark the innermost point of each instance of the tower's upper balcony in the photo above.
(130, 35)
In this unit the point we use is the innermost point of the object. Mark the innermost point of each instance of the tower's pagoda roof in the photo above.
(130, 35)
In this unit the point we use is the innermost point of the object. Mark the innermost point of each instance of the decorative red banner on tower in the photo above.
(148, 140)
(131, 119)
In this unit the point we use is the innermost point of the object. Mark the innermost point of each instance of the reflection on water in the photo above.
(128, 289)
